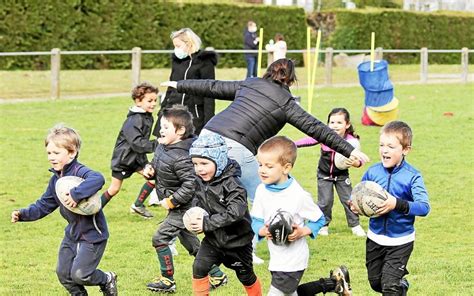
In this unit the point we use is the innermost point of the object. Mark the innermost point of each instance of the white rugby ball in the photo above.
(367, 197)
(192, 215)
(340, 160)
(87, 206)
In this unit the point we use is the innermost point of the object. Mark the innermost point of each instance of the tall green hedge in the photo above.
(123, 24)
(398, 29)
(27, 25)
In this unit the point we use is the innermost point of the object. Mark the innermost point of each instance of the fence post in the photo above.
(136, 65)
(464, 64)
(269, 58)
(379, 53)
(55, 69)
(328, 65)
(424, 64)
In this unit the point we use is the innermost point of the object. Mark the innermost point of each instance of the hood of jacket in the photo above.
(232, 170)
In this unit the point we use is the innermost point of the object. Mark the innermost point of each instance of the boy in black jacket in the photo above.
(85, 237)
(227, 228)
(132, 145)
(174, 176)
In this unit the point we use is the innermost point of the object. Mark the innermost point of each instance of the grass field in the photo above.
(441, 264)
(36, 84)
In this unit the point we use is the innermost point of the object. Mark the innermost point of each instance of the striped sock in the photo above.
(105, 198)
(166, 261)
(144, 193)
(215, 271)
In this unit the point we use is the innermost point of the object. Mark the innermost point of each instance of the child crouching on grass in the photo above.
(391, 236)
(227, 229)
(85, 237)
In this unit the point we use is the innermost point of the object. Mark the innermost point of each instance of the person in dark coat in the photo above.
(227, 227)
(260, 109)
(174, 176)
(132, 145)
(190, 62)
(251, 42)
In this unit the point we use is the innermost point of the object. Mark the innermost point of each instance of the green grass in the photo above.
(36, 84)
(441, 264)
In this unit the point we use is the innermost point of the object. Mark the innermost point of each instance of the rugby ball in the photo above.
(280, 227)
(367, 197)
(87, 206)
(340, 160)
(192, 215)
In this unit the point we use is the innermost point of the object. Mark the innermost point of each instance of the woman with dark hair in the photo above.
(260, 109)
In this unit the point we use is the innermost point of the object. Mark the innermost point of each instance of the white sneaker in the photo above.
(174, 250)
(358, 231)
(257, 260)
(153, 199)
(324, 231)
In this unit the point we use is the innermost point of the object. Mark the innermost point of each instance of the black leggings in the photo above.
(386, 266)
(239, 259)
(315, 287)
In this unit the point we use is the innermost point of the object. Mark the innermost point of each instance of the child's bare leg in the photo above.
(113, 189)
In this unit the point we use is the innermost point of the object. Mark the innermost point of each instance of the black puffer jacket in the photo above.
(174, 173)
(225, 199)
(133, 141)
(200, 65)
(261, 108)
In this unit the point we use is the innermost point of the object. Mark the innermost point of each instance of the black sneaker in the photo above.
(110, 288)
(405, 285)
(162, 284)
(343, 281)
(217, 281)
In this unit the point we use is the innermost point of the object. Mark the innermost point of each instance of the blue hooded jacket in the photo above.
(403, 182)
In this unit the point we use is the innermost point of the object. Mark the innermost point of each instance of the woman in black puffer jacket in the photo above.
(260, 109)
(189, 62)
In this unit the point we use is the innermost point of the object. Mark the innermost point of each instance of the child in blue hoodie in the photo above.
(391, 236)
(85, 237)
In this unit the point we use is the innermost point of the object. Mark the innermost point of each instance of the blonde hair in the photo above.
(64, 137)
(193, 42)
(282, 145)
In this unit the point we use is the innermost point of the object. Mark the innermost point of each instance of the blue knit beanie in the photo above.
(212, 147)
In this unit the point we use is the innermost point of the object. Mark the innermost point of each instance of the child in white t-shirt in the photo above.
(279, 191)
(277, 46)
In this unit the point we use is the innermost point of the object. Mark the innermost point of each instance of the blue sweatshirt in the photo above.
(91, 228)
(406, 183)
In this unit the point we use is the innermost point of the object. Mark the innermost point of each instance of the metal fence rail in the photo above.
(159, 51)
(137, 52)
